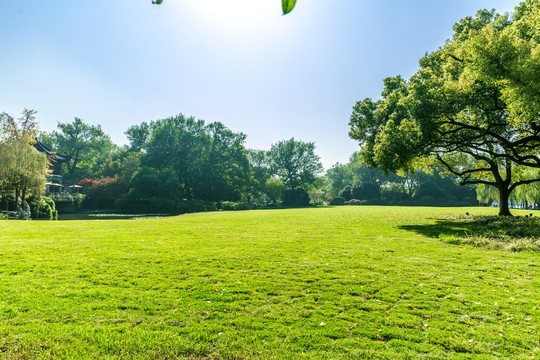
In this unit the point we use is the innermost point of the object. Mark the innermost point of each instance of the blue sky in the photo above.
(240, 62)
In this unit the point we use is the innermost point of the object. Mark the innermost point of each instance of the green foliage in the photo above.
(210, 161)
(138, 136)
(295, 163)
(149, 183)
(274, 189)
(500, 233)
(105, 191)
(360, 182)
(86, 146)
(229, 205)
(42, 207)
(472, 106)
(316, 197)
(337, 201)
(22, 167)
(296, 197)
(287, 6)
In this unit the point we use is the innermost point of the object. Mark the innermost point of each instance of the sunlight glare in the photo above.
(235, 17)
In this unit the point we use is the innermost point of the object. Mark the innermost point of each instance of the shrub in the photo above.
(227, 205)
(296, 197)
(42, 207)
(230, 205)
(316, 197)
(104, 192)
(243, 206)
(338, 200)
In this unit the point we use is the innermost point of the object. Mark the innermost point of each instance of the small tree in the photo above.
(22, 168)
(273, 189)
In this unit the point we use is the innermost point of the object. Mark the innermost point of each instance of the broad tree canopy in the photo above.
(473, 107)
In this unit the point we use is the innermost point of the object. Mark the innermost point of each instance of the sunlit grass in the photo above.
(319, 283)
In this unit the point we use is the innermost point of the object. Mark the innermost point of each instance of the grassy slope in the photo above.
(260, 284)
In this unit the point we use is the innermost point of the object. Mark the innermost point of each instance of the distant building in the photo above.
(55, 160)
(55, 182)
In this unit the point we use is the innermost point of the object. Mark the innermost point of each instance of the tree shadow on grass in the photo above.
(441, 227)
(493, 232)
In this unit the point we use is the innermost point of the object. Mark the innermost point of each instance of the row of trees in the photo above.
(355, 180)
(172, 162)
(179, 159)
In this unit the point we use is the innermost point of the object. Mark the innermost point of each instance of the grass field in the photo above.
(317, 283)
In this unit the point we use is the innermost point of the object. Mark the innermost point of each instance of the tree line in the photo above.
(180, 162)
(183, 164)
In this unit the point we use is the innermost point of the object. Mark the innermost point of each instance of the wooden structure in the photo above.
(56, 160)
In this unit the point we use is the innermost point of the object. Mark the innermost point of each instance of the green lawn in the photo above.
(319, 283)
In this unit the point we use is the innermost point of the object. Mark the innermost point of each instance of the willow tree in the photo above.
(473, 107)
(23, 169)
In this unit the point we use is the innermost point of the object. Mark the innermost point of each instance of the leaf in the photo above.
(287, 6)
(157, 2)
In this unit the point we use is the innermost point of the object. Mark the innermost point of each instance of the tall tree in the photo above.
(86, 146)
(210, 160)
(460, 109)
(295, 163)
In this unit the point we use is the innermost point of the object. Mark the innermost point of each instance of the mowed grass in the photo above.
(317, 283)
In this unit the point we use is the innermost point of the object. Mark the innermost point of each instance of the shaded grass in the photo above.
(521, 233)
(320, 283)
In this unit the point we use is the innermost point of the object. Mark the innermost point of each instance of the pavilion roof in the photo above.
(51, 154)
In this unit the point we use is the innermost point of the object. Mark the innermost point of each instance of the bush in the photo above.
(338, 200)
(42, 207)
(227, 205)
(230, 205)
(104, 192)
(296, 197)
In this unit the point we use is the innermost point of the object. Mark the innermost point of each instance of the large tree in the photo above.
(209, 159)
(472, 108)
(85, 145)
(295, 163)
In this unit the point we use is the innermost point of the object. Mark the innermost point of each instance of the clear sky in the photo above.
(240, 62)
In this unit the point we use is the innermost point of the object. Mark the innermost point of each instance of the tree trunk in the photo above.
(504, 194)
(17, 193)
(23, 197)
